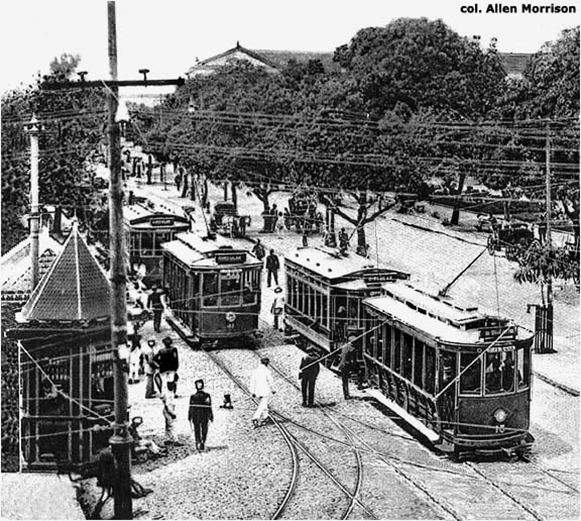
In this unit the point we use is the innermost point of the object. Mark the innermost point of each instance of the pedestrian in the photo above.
(162, 172)
(346, 364)
(280, 225)
(277, 307)
(258, 250)
(178, 180)
(155, 304)
(308, 372)
(149, 171)
(167, 360)
(185, 185)
(150, 368)
(134, 362)
(272, 267)
(261, 386)
(200, 413)
(169, 414)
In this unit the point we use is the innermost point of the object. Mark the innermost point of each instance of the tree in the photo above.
(73, 125)
(422, 63)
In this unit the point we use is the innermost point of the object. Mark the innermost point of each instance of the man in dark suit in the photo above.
(309, 370)
(200, 413)
(272, 267)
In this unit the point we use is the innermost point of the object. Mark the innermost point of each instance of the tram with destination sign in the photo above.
(324, 295)
(147, 226)
(213, 288)
(463, 376)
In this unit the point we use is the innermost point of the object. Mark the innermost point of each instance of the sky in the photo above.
(166, 37)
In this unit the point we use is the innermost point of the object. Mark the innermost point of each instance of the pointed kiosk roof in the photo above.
(74, 289)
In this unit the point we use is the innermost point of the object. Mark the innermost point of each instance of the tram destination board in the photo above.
(230, 258)
(161, 221)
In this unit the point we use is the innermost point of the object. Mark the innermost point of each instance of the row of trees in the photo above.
(415, 100)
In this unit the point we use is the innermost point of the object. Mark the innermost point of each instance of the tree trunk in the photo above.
(225, 190)
(456, 213)
(235, 196)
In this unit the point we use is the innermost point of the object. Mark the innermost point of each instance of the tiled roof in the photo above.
(75, 288)
(20, 282)
(280, 59)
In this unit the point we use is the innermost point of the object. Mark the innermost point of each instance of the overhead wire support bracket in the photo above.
(57, 85)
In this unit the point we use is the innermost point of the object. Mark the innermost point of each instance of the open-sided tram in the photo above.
(213, 288)
(324, 294)
(147, 226)
(465, 375)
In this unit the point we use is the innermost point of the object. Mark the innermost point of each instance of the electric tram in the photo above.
(464, 374)
(213, 288)
(324, 295)
(147, 226)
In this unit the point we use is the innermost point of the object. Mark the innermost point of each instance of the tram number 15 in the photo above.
(499, 429)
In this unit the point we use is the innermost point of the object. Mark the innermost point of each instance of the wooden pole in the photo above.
(120, 441)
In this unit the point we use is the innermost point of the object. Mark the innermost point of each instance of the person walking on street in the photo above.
(272, 267)
(346, 363)
(261, 386)
(185, 185)
(258, 250)
(154, 303)
(149, 354)
(280, 225)
(277, 308)
(308, 372)
(167, 361)
(200, 414)
(169, 414)
(178, 180)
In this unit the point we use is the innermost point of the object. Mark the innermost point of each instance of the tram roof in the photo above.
(444, 331)
(194, 250)
(432, 305)
(139, 213)
(328, 263)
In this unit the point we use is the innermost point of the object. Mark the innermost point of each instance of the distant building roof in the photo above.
(74, 289)
(514, 63)
(272, 60)
(281, 58)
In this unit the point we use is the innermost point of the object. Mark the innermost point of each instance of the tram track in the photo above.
(295, 445)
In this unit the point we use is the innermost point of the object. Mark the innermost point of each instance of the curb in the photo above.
(425, 228)
(562, 387)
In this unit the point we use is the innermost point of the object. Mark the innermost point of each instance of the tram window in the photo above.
(311, 299)
(447, 367)
(160, 237)
(430, 369)
(407, 356)
(353, 314)
(324, 311)
(210, 289)
(493, 376)
(508, 372)
(147, 244)
(523, 364)
(195, 293)
(418, 362)
(386, 344)
(470, 380)
(230, 288)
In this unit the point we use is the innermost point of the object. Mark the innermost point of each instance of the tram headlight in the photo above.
(500, 415)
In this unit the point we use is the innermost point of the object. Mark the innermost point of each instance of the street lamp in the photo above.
(144, 72)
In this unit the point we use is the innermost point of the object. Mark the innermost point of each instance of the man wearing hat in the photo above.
(277, 308)
(167, 361)
(261, 386)
(308, 372)
(155, 304)
(200, 413)
(149, 354)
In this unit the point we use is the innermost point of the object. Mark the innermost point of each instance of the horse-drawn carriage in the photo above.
(302, 214)
(515, 238)
(226, 221)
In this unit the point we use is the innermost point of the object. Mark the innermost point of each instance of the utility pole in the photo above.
(548, 205)
(33, 129)
(120, 441)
